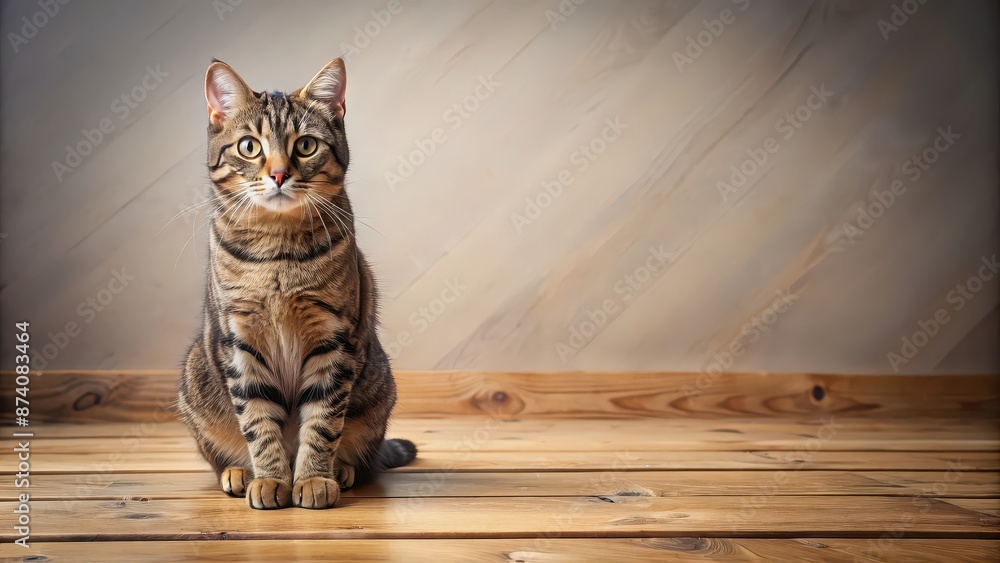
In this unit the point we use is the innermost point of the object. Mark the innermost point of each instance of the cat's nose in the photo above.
(278, 176)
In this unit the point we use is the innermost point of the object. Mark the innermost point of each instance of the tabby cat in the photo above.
(286, 389)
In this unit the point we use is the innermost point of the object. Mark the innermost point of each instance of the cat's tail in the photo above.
(397, 453)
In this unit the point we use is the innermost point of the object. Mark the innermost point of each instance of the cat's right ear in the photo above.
(328, 87)
(225, 91)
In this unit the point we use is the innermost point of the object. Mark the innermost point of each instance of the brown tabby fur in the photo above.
(286, 390)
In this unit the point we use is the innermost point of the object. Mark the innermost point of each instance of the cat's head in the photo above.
(274, 151)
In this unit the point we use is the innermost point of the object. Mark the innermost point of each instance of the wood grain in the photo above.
(904, 429)
(545, 488)
(550, 435)
(143, 396)
(532, 445)
(459, 483)
(621, 516)
(447, 462)
(527, 551)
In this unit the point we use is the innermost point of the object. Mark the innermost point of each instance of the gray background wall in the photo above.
(642, 260)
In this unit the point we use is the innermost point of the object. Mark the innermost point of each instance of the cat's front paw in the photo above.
(316, 492)
(234, 481)
(267, 493)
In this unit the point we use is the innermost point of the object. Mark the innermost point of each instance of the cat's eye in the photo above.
(248, 147)
(305, 146)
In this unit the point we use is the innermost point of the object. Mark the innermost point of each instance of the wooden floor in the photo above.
(545, 486)
(582, 489)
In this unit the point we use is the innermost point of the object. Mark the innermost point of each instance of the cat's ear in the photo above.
(328, 87)
(225, 91)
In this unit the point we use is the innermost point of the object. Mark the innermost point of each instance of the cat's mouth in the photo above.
(279, 201)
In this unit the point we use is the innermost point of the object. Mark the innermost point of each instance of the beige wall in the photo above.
(642, 249)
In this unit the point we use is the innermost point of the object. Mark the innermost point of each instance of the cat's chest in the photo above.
(283, 318)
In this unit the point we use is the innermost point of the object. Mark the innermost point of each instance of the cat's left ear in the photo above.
(225, 92)
(328, 87)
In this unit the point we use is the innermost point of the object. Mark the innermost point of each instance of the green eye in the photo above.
(305, 146)
(248, 147)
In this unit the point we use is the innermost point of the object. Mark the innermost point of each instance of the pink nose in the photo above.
(278, 176)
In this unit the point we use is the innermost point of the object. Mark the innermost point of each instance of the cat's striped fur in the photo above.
(286, 390)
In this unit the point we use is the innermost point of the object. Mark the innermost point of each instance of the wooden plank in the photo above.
(603, 440)
(526, 550)
(604, 435)
(137, 396)
(697, 395)
(474, 444)
(97, 396)
(506, 517)
(465, 460)
(472, 424)
(118, 430)
(986, 507)
(955, 484)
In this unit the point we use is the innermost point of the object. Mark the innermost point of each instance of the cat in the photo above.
(286, 389)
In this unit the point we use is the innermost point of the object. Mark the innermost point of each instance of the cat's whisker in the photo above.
(313, 211)
(374, 230)
(246, 198)
(313, 185)
(182, 212)
(302, 213)
(329, 240)
(194, 232)
(218, 201)
(246, 208)
(312, 225)
(196, 206)
(335, 215)
(341, 215)
(348, 233)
